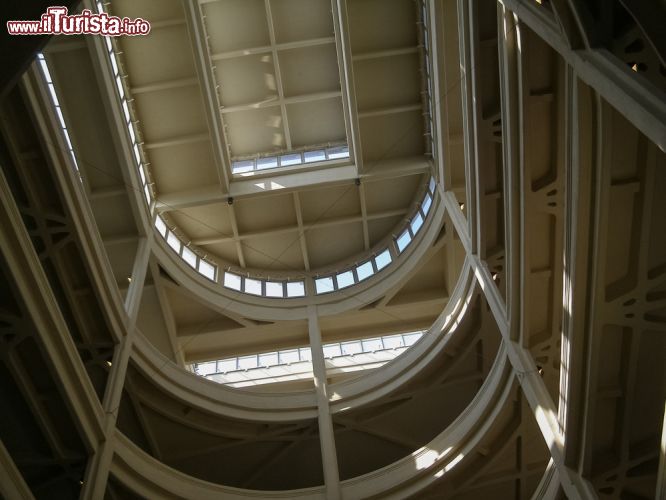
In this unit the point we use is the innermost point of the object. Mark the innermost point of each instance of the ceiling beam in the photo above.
(281, 181)
(197, 31)
(346, 68)
(301, 231)
(267, 49)
(332, 221)
(280, 100)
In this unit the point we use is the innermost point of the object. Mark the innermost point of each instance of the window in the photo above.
(206, 368)
(324, 285)
(312, 156)
(252, 286)
(411, 338)
(425, 206)
(173, 241)
(268, 359)
(292, 159)
(383, 259)
(336, 153)
(403, 240)
(190, 257)
(207, 269)
(160, 225)
(416, 223)
(232, 281)
(331, 350)
(365, 270)
(371, 345)
(239, 167)
(264, 163)
(345, 279)
(247, 362)
(227, 365)
(274, 289)
(393, 342)
(290, 356)
(295, 289)
(349, 348)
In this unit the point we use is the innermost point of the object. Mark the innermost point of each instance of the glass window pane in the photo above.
(274, 289)
(411, 338)
(345, 279)
(403, 240)
(383, 259)
(338, 152)
(239, 167)
(227, 365)
(146, 193)
(232, 281)
(252, 286)
(206, 368)
(264, 163)
(324, 285)
(292, 159)
(305, 353)
(290, 356)
(311, 156)
(393, 341)
(332, 350)
(190, 257)
(247, 362)
(425, 206)
(351, 348)
(160, 225)
(268, 359)
(431, 186)
(370, 345)
(416, 223)
(207, 269)
(54, 96)
(365, 270)
(296, 289)
(173, 241)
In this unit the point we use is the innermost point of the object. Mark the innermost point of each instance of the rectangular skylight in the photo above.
(173, 241)
(232, 281)
(252, 286)
(403, 240)
(416, 223)
(365, 270)
(160, 225)
(345, 279)
(295, 289)
(312, 156)
(274, 289)
(264, 163)
(207, 269)
(427, 202)
(383, 259)
(324, 285)
(190, 257)
(292, 159)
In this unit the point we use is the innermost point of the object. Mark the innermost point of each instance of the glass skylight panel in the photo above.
(240, 167)
(383, 259)
(331, 350)
(274, 289)
(61, 118)
(146, 193)
(173, 241)
(227, 365)
(403, 240)
(393, 342)
(268, 359)
(289, 356)
(190, 257)
(324, 285)
(132, 134)
(411, 338)
(338, 152)
(312, 156)
(232, 281)
(371, 345)
(292, 159)
(431, 186)
(160, 225)
(416, 223)
(142, 174)
(128, 117)
(295, 289)
(247, 362)
(252, 286)
(207, 270)
(345, 279)
(54, 96)
(114, 63)
(349, 348)
(427, 202)
(206, 368)
(264, 163)
(365, 270)
(119, 86)
(305, 353)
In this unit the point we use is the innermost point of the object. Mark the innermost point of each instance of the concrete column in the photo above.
(326, 436)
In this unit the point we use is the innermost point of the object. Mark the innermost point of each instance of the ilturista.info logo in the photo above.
(57, 21)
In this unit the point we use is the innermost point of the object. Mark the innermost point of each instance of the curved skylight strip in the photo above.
(248, 167)
(203, 267)
(56, 104)
(254, 365)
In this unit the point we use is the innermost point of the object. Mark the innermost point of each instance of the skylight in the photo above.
(247, 167)
(296, 363)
